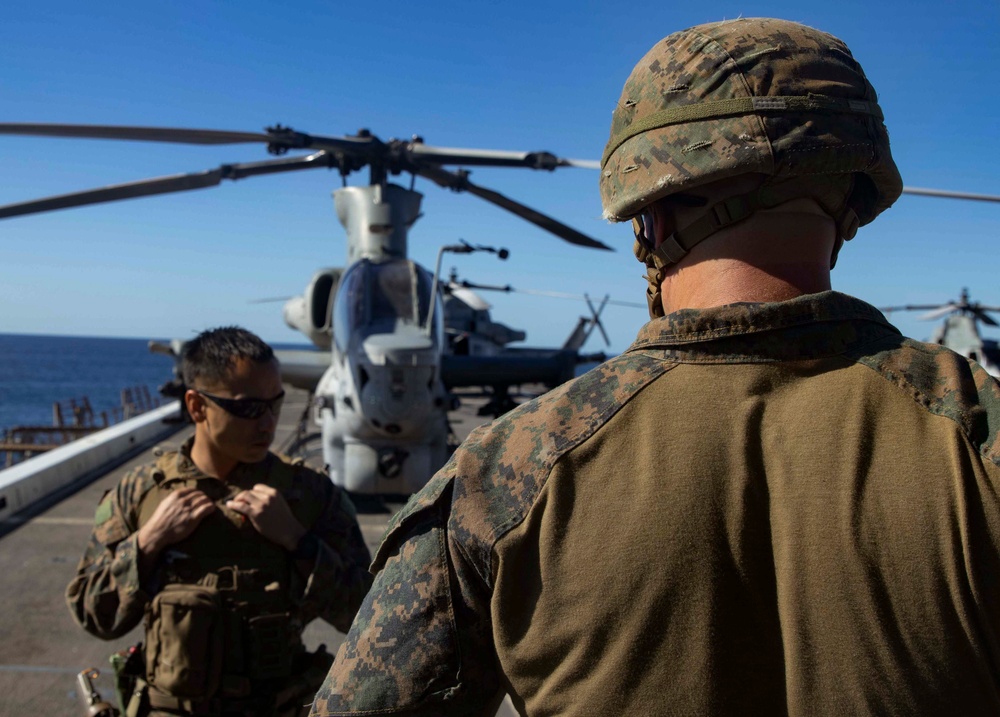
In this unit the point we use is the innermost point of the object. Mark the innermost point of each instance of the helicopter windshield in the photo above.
(383, 298)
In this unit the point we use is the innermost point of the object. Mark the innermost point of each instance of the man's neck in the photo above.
(767, 258)
(721, 281)
(208, 462)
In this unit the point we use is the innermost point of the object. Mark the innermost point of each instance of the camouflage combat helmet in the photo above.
(749, 96)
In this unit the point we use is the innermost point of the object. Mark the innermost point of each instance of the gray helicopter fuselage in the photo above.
(381, 403)
(960, 333)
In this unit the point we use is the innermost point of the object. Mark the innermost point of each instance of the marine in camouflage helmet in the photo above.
(750, 96)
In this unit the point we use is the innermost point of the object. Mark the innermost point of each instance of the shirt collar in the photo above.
(827, 323)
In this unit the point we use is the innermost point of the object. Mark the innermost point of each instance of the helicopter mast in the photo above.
(377, 219)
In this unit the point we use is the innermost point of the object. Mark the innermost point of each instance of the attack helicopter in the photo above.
(389, 353)
(960, 330)
(388, 358)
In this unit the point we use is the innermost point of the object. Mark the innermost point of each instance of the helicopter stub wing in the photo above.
(166, 185)
(302, 368)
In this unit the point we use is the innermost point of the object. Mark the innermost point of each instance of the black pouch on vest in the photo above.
(185, 641)
(268, 646)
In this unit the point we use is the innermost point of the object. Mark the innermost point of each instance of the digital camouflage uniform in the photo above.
(254, 576)
(781, 508)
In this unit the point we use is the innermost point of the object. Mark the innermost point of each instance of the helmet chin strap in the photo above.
(833, 196)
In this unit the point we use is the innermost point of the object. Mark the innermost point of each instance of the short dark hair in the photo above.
(210, 354)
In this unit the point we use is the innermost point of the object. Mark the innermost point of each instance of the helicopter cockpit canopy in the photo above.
(385, 298)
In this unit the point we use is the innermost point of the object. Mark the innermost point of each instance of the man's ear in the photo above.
(195, 403)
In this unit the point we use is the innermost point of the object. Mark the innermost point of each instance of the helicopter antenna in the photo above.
(463, 247)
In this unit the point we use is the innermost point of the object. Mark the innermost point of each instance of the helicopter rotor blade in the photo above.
(428, 154)
(166, 185)
(951, 195)
(279, 139)
(555, 294)
(596, 313)
(141, 134)
(938, 312)
(909, 307)
(269, 300)
(984, 317)
(460, 183)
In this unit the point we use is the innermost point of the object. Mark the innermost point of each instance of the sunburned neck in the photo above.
(724, 281)
(768, 258)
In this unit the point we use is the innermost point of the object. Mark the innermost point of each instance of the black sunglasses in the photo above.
(250, 408)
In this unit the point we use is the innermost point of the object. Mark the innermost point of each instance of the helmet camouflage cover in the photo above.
(754, 95)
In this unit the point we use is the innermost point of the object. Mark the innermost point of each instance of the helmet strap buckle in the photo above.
(729, 211)
(654, 293)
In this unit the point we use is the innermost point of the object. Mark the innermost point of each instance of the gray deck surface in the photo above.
(41, 647)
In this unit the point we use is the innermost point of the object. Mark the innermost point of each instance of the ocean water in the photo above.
(37, 371)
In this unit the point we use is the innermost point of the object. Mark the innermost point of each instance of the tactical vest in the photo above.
(223, 624)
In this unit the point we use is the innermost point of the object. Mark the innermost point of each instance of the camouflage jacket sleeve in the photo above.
(422, 642)
(340, 578)
(105, 596)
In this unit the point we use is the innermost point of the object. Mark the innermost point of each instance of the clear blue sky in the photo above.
(511, 75)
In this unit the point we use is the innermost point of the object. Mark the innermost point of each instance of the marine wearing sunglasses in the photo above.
(235, 415)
